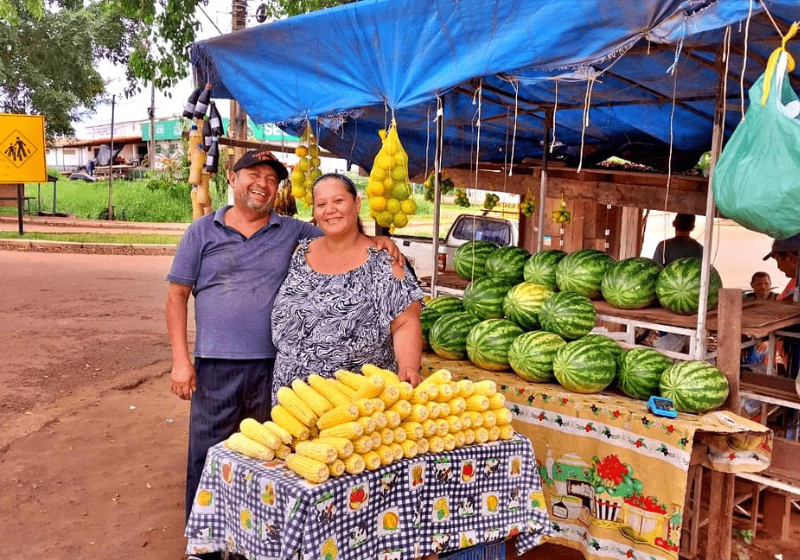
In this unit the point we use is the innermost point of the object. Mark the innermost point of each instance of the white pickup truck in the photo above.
(419, 251)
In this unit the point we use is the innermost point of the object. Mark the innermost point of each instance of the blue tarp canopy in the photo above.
(647, 69)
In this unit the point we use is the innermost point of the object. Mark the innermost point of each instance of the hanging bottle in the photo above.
(212, 157)
(201, 106)
(207, 134)
(216, 121)
(195, 155)
(188, 109)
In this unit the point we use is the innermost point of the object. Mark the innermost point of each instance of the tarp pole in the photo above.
(705, 273)
(437, 192)
(548, 126)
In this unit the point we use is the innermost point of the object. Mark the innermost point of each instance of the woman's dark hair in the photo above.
(348, 185)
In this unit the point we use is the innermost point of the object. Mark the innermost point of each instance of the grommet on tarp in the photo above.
(261, 13)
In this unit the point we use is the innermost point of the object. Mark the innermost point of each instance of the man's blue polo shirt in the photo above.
(235, 281)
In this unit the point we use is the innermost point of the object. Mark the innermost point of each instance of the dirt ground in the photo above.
(92, 445)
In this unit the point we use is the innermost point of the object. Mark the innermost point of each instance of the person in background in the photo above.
(344, 303)
(233, 261)
(680, 246)
(785, 252)
(761, 284)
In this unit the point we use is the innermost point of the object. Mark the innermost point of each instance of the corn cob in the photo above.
(321, 452)
(372, 461)
(423, 446)
(338, 415)
(318, 403)
(419, 413)
(372, 388)
(413, 430)
(458, 405)
(402, 408)
(449, 442)
(282, 452)
(504, 416)
(249, 448)
(377, 440)
(389, 377)
(437, 378)
(296, 407)
(498, 400)
(442, 427)
(310, 469)
(465, 388)
(397, 450)
(494, 433)
(400, 434)
(353, 380)
(378, 405)
(461, 440)
(343, 388)
(466, 421)
(336, 468)
(478, 403)
(454, 423)
(367, 423)
(256, 431)
(380, 420)
(283, 435)
(487, 388)
(313, 432)
(445, 393)
(354, 464)
(433, 392)
(392, 419)
(387, 436)
(433, 410)
(327, 390)
(348, 430)
(389, 395)
(406, 390)
(476, 419)
(386, 455)
(436, 444)
(469, 437)
(410, 449)
(283, 418)
(481, 435)
(365, 407)
(506, 431)
(429, 428)
(419, 396)
(489, 419)
(362, 444)
(444, 410)
(343, 447)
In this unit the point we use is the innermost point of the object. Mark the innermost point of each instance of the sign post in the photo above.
(22, 154)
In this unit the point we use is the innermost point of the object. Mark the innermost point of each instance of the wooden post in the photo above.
(720, 516)
(777, 514)
(730, 343)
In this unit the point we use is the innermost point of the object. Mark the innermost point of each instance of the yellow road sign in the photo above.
(22, 149)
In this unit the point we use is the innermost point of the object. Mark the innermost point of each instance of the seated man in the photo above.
(761, 284)
(680, 246)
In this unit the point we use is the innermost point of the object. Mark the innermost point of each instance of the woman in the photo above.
(344, 303)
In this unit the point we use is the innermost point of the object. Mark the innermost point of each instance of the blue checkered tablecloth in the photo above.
(433, 503)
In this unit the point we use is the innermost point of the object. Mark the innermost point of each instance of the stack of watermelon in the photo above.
(448, 335)
(523, 303)
(587, 365)
(541, 268)
(470, 259)
(507, 263)
(436, 308)
(631, 283)
(678, 286)
(582, 272)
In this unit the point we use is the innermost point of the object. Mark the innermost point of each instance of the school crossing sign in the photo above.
(22, 149)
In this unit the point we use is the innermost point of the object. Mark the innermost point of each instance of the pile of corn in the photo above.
(328, 427)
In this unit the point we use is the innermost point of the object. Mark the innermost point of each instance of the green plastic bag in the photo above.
(757, 178)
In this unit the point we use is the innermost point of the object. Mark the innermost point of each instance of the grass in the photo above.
(120, 238)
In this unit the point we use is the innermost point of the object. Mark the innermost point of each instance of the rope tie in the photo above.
(773, 61)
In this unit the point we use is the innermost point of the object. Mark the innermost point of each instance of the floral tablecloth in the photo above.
(432, 503)
(615, 475)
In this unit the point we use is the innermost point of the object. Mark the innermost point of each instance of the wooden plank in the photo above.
(785, 458)
(777, 514)
(630, 223)
(720, 516)
(730, 344)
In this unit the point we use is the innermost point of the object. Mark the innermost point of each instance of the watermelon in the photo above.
(445, 304)
(678, 286)
(567, 314)
(541, 268)
(582, 272)
(694, 386)
(489, 341)
(531, 355)
(484, 297)
(639, 372)
(507, 263)
(427, 318)
(523, 302)
(448, 335)
(604, 341)
(631, 283)
(470, 259)
(584, 368)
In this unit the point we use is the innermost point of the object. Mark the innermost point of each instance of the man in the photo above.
(761, 284)
(233, 261)
(680, 246)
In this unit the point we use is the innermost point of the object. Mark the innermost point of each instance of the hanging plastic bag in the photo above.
(756, 180)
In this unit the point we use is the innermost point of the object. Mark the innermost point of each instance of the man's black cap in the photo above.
(790, 245)
(261, 157)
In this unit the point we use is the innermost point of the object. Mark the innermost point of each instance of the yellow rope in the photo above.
(773, 61)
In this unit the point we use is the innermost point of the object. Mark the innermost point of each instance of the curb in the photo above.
(42, 246)
(96, 224)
